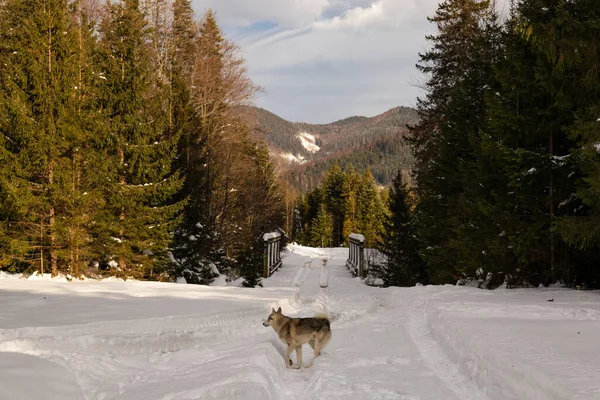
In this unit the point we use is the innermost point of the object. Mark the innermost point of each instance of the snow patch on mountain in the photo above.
(291, 158)
(308, 141)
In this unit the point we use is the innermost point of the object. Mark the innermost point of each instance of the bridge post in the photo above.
(272, 256)
(356, 254)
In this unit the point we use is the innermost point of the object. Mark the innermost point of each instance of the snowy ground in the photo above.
(140, 340)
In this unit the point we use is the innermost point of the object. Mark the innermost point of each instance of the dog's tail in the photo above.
(322, 316)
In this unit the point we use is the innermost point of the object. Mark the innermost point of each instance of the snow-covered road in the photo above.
(141, 340)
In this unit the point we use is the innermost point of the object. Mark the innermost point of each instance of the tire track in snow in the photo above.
(297, 383)
(437, 360)
(137, 336)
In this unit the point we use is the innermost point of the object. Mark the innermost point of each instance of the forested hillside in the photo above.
(376, 143)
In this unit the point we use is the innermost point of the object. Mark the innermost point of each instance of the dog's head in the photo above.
(274, 316)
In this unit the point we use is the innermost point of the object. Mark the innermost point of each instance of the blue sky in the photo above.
(322, 60)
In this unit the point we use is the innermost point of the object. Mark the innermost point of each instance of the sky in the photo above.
(319, 61)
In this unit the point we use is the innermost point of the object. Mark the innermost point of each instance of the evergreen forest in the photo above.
(126, 149)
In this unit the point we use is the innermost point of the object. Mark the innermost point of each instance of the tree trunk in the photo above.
(552, 211)
(51, 225)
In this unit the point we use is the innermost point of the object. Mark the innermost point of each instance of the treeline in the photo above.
(507, 175)
(346, 202)
(120, 147)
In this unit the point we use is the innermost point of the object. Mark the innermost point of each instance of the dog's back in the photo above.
(316, 324)
(307, 330)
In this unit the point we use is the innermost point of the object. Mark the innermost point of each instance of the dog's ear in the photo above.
(272, 310)
(279, 310)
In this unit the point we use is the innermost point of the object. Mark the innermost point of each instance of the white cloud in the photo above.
(356, 18)
(328, 59)
(287, 13)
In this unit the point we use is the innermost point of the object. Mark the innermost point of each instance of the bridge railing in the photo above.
(272, 255)
(356, 254)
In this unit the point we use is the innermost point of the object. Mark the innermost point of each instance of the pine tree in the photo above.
(140, 215)
(183, 117)
(39, 78)
(234, 194)
(404, 266)
(567, 34)
(447, 140)
(322, 228)
(86, 158)
(528, 143)
(352, 184)
(333, 198)
(309, 209)
(259, 210)
(370, 211)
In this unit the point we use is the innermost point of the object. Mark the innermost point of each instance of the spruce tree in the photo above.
(333, 199)
(137, 225)
(447, 140)
(404, 266)
(309, 210)
(528, 143)
(184, 119)
(322, 228)
(39, 130)
(200, 242)
(567, 34)
(234, 196)
(370, 211)
(86, 152)
(352, 184)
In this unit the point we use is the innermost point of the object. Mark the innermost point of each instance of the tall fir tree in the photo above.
(40, 131)
(322, 228)
(309, 209)
(567, 34)
(369, 210)
(184, 119)
(86, 149)
(223, 165)
(529, 145)
(352, 185)
(137, 225)
(333, 184)
(404, 265)
(447, 139)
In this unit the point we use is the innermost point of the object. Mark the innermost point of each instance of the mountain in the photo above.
(305, 151)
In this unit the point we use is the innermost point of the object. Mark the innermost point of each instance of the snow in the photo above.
(308, 141)
(115, 339)
(563, 203)
(291, 158)
(271, 235)
(357, 236)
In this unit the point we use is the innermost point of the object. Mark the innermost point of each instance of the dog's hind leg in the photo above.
(317, 347)
(288, 360)
(298, 357)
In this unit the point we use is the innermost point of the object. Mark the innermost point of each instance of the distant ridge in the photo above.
(305, 152)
